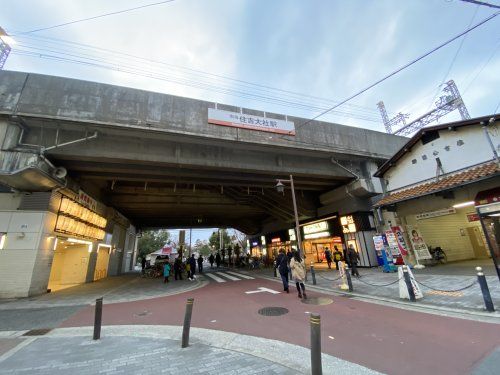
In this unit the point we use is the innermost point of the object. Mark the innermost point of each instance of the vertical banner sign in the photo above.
(417, 242)
(398, 232)
(393, 243)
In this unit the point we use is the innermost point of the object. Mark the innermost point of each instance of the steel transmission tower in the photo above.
(4, 48)
(448, 102)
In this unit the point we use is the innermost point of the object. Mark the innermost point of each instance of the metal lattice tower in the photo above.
(450, 101)
(4, 48)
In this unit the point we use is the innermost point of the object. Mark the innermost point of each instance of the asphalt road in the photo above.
(383, 338)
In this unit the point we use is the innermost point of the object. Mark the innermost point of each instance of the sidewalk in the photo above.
(375, 284)
(156, 349)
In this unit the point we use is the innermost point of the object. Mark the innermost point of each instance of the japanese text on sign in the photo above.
(240, 120)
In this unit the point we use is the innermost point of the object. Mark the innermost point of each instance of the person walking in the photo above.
(178, 268)
(328, 257)
(289, 256)
(282, 266)
(217, 260)
(143, 265)
(188, 269)
(337, 257)
(211, 259)
(298, 267)
(166, 271)
(200, 263)
(353, 257)
(192, 266)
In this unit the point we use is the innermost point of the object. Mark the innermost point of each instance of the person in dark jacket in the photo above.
(217, 260)
(282, 266)
(143, 264)
(192, 264)
(211, 259)
(178, 268)
(200, 263)
(353, 257)
(328, 257)
(337, 257)
(289, 256)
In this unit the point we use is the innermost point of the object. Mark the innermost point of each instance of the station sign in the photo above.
(348, 225)
(252, 122)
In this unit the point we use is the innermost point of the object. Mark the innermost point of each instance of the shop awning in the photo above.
(463, 177)
(488, 196)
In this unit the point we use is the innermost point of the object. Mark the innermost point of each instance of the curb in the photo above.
(268, 349)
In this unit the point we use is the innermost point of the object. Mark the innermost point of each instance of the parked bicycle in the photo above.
(438, 255)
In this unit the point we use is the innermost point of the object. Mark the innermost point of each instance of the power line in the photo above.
(95, 17)
(482, 3)
(398, 70)
(292, 94)
(452, 61)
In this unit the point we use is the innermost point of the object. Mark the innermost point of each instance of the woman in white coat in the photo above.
(298, 267)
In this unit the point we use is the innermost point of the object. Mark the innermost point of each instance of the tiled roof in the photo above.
(469, 175)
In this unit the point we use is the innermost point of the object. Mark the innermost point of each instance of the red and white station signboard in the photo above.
(240, 120)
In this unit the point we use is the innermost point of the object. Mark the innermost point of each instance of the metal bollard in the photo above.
(349, 281)
(488, 302)
(315, 323)
(411, 292)
(187, 322)
(274, 269)
(98, 318)
(313, 274)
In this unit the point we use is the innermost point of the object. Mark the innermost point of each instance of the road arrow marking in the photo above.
(261, 290)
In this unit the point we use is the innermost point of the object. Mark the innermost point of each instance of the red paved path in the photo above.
(386, 339)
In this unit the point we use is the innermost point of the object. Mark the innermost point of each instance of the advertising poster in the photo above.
(417, 242)
(398, 232)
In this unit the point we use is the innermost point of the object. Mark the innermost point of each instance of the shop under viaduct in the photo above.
(157, 160)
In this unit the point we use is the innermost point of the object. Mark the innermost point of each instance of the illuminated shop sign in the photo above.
(255, 243)
(316, 235)
(75, 219)
(321, 226)
(291, 234)
(347, 223)
(276, 240)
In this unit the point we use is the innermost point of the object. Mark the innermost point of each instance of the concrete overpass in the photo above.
(156, 159)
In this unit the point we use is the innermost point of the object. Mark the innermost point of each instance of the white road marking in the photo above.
(216, 278)
(223, 274)
(15, 349)
(261, 289)
(241, 275)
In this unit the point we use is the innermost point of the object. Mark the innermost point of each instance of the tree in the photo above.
(214, 239)
(240, 238)
(202, 247)
(151, 241)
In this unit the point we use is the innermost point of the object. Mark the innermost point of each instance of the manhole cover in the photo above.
(317, 301)
(37, 332)
(273, 311)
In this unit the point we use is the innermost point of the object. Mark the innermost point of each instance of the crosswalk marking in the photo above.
(241, 275)
(216, 278)
(227, 276)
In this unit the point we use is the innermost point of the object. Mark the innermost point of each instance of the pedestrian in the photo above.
(178, 268)
(298, 266)
(282, 266)
(143, 264)
(289, 256)
(337, 257)
(211, 259)
(188, 269)
(217, 260)
(328, 256)
(353, 257)
(192, 266)
(166, 271)
(200, 263)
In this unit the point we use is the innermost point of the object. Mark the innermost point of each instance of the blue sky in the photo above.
(327, 49)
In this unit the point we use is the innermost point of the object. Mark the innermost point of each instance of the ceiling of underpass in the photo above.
(168, 196)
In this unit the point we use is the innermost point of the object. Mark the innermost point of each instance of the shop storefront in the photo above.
(318, 236)
(78, 255)
(276, 241)
(358, 230)
(258, 247)
(487, 205)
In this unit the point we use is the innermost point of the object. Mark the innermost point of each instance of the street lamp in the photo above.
(280, 188)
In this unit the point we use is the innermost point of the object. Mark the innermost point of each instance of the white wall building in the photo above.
(432, 182)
